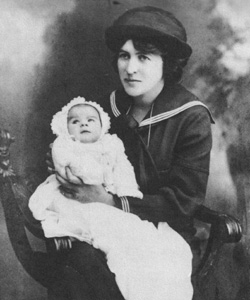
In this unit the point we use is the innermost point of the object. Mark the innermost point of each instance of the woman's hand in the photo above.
(49, 161)
(72, 187)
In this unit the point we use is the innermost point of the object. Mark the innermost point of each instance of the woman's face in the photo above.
(141, 74)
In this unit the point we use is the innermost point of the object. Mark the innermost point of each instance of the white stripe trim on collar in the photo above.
(114, 108)
(171, 113)
(157, 118)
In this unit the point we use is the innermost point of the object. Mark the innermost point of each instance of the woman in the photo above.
(166, 132)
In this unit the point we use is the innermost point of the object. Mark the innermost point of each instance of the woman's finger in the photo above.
(48, 154)
(72, 178)
(51, 170)
(49, 163)
(69, 189)
(64, 182)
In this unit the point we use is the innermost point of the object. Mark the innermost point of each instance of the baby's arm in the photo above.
(61, 155)
(81, 163)
(124, 176)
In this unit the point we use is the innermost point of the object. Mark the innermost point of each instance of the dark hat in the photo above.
(149, 22)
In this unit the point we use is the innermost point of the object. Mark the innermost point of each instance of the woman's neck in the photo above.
(139, 110)
(149, 97)
(142, 104)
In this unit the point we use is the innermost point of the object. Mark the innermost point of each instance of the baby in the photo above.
(148, 262)
(89, 150)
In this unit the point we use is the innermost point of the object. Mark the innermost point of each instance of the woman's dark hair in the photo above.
(172, 66)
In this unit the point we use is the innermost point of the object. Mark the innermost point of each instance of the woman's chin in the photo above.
(132, 92)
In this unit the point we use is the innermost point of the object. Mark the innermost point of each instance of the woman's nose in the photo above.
(132, 66)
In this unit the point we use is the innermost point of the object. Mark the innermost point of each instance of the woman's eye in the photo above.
(143, 57)
(123, 55)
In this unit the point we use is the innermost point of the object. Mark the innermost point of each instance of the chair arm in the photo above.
(37, 264)
(21, 195)
(227, 227)
(224, 229)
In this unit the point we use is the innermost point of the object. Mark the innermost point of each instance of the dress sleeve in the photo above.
(184, 187)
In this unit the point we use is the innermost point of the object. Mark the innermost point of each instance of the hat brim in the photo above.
(115, 35)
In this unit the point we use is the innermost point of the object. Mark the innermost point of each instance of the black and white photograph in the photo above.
(124, 150)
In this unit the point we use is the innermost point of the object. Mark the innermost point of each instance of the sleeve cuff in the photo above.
(122, 203)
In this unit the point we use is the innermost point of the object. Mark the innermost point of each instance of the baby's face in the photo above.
(84, 123)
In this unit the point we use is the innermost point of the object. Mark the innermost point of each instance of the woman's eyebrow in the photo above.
(122, 51)
(144, 52)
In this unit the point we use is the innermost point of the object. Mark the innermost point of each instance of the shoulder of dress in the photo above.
(200, 110)
(187, 108)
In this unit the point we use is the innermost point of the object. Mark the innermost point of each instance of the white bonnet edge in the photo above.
(59, 120)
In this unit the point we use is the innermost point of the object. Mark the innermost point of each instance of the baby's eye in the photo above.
(91, 120)
(75, 121)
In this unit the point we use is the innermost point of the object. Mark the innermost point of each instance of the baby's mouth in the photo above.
(85, 131)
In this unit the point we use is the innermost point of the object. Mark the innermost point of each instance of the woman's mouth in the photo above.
(131, 82)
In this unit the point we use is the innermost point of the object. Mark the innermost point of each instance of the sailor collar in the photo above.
(179, 101)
